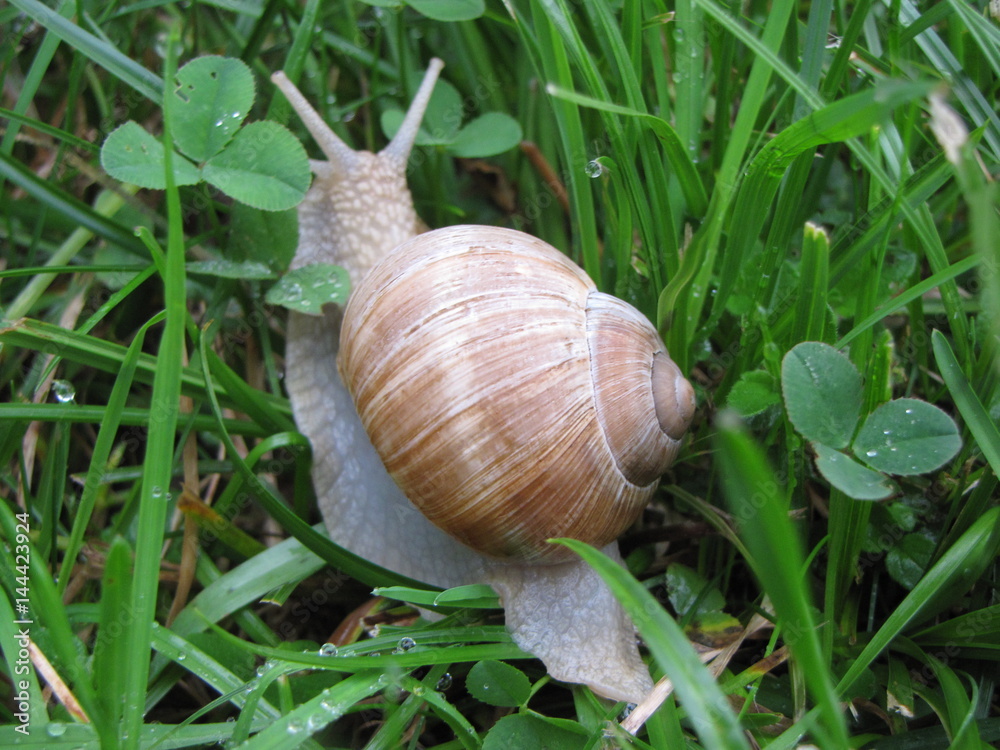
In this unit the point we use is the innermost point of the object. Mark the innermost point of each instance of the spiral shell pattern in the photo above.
(509, 399)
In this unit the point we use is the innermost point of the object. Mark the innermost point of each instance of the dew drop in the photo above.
(64, 391)
(418, 690)
(679, 34)
(317, 721)
(181, 657)
(909, 411)
(871, 454)
(156, 492)
(444, 683)
(886, 432)
(235, 115)
(55, 729)
(218, 123)
(406, 643)
(293, 727)
(594, 168)
(327, 649)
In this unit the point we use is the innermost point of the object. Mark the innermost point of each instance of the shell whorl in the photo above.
(643, 402)
(471, 354)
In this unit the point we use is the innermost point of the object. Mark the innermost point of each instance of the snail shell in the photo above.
(509, 399)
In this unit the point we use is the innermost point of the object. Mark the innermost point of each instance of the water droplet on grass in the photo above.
(64, 391)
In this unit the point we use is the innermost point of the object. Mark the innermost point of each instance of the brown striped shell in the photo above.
(509, 399)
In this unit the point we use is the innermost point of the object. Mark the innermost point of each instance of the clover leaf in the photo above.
(262, 165)
(823, 395)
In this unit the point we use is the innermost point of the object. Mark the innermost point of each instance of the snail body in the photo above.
(488, 398)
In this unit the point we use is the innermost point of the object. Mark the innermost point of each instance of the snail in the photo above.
(476, 397)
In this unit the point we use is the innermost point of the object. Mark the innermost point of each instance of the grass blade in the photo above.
(51, 630)
(102, 450)
(108, 356)
(115, 62)
(705, 704)
(811, 310)
(297, 726)
(948, 579)
(109, 648)
(67, 206)
(158, 463)
(673, 146)
(779, 564)
(978, 420)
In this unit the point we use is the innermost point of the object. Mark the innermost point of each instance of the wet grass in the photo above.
(749, 177)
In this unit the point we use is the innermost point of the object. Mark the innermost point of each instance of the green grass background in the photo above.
(748, 175)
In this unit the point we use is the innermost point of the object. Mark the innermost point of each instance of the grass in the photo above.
(749, 176)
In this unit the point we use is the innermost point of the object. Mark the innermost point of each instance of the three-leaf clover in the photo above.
(261, 164)
(906, 436)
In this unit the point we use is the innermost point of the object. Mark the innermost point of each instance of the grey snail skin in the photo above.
(476, 397)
